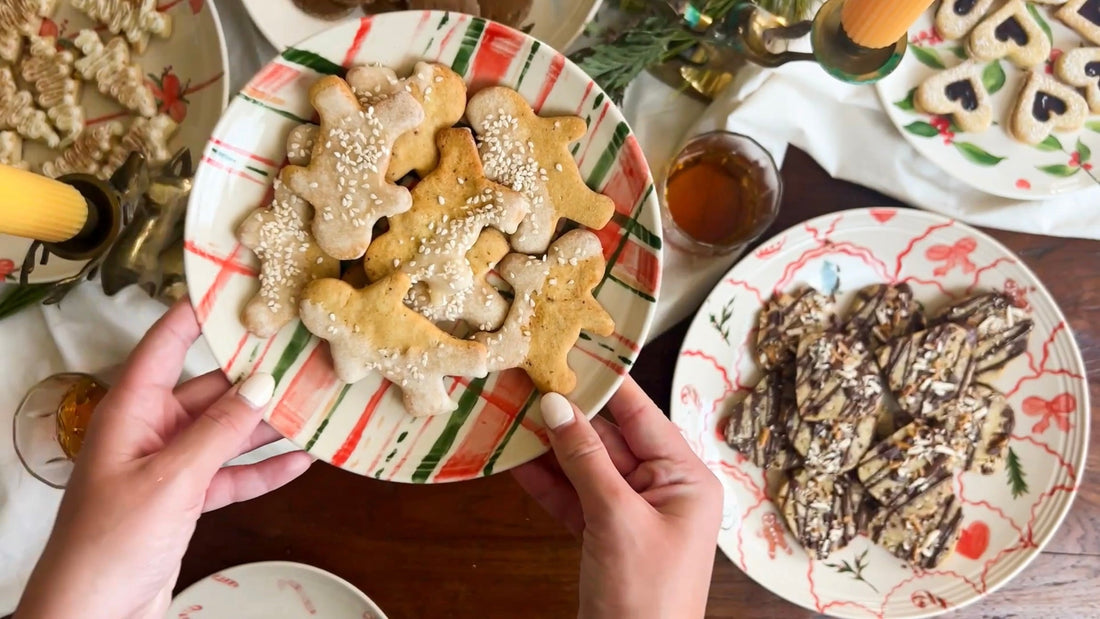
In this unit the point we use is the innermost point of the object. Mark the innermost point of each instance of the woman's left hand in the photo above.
(151, 465)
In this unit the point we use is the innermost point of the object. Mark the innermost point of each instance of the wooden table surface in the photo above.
(483, 549)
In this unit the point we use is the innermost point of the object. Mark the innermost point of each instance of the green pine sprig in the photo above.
(1016, 477)
(855, 569)
(20, 297)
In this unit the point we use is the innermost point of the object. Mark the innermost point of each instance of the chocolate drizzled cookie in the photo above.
(1002, 329)
(836, 378)
(928, 368)
(785, 320)
(823, 512)
(922, 530)
(979, 423)
(882, 312)
(908, 463)
(757, 426)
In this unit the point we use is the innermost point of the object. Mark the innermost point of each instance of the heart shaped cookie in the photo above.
(958, 91)
(955, 18)
(1046, 105)
(1083, 16)
(1081, 68)
(1010, 32)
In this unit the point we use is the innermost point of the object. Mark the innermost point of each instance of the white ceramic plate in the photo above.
(273, 590)
(187, 74)
(364, 428)
(1005, 524)
(991, 161)
(555, 22)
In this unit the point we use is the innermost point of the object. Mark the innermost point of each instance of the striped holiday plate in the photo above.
(363, 427)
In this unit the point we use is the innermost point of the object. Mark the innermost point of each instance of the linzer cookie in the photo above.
(836, 378)
(785, 320)
(1083, 16)
(824, 513)
(831, 447)
(11, 150)
(922, 532)
(371, 329)
(1046, 105)
(114, 72)
(17, 112)
(1081, 68)
(482, 306)
(882, 312)
(553, 303)
(450, 208)
(955, 18)
(280, 237)
(928, 368)
(50, 74)
(531, 155)
(87, 154)
(345, 179)
(757, 426)
(960, 93)
(1002, 329)
(148, 136)
(439, 90)
(1010, 32)
(135, 19)
(909, 463)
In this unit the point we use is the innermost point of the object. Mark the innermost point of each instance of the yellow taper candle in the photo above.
(37, 207)
(880, 23)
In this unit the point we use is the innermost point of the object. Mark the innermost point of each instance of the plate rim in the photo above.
(650, 202)
(699, 320)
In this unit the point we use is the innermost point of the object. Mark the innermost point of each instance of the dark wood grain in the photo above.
(483, 549)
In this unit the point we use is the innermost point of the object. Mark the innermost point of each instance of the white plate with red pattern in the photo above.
(273, 590)
(1007, 517)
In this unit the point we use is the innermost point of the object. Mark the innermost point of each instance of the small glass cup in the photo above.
(720, 193)
(40, 425)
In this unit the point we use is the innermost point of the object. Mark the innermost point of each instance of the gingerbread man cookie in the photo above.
(1046, 105)
(17, 112)
(481, 306)
(135, 19)
(1081, 68)
(279, 235)
(1083, 16)
(87, 154)
(553, 303)
(50, 73)
(300, 143)
(439, 90)
(531, 155)
(451, 207)
(345, 179)
(371, 329)
(11, 150)
(1010, 32)
(958, 91)
(114, 72)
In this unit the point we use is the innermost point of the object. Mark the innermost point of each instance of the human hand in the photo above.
(151, 465)
(646, 508)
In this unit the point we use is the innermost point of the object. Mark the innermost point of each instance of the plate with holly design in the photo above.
(1007, 516)
(991, 161)
(187, 74)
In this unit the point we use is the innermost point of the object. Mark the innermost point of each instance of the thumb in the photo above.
(582, 455)
(216, 436)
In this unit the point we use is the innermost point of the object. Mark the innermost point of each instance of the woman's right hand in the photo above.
(646, 508)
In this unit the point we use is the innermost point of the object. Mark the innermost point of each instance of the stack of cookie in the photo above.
(419, 264)
(868, 418)
(1045, 103)
(42, 81)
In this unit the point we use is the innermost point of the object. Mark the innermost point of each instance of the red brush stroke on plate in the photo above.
(308, 390)
(499, 47)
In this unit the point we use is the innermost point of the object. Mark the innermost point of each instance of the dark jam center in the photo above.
(963, 7)
(1092, 69)
(1045, 104)
(1011, 28)
(1090, 11)
(963, 92)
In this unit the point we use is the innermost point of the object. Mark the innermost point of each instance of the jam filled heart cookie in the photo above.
(1046, 105)
(280, 237)
(345, 179)
(1081, 68)
(553, 303)
(450, 208)
(1083, 16)
(955, 18)
(531, 155)
(372, 329)
(960, 93)
(1010, 32)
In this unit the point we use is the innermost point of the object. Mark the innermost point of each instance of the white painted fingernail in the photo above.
(557, 412)
(257, 390)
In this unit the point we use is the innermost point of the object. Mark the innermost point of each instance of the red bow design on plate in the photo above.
(1057, 410)
(957, 255)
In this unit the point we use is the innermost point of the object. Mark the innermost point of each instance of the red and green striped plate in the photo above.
(363, 427)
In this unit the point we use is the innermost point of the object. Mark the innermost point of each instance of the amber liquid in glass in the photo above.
(75, 412)
(717, 197)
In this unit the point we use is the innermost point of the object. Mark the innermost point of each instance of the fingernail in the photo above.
(257, 390)
(557, 412)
